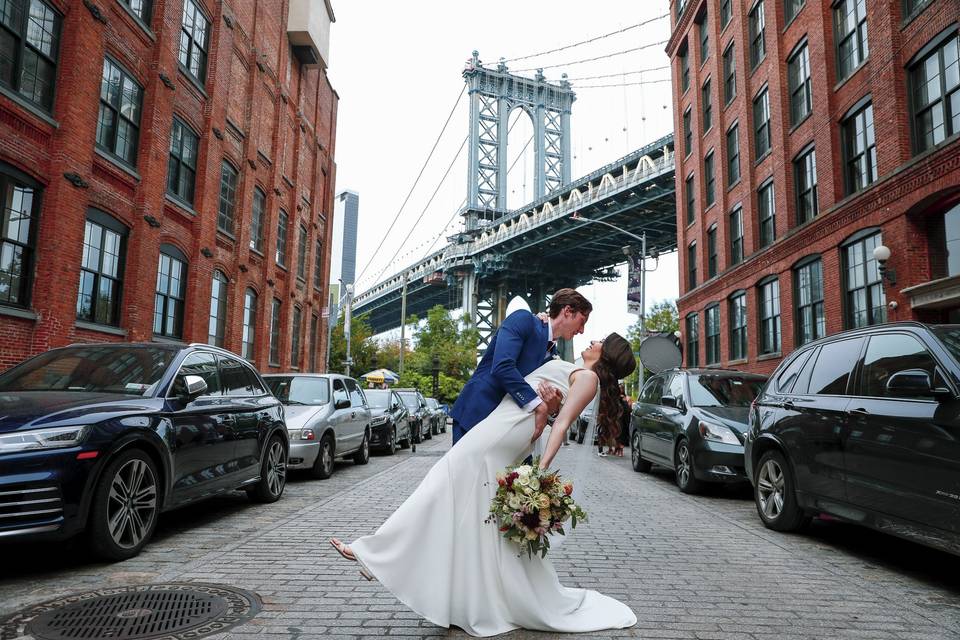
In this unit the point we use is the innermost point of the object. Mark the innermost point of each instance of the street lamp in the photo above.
(436, 376)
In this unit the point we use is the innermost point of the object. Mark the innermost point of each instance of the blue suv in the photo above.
(101, 438)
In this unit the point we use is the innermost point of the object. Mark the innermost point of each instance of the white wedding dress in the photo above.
(438, 556)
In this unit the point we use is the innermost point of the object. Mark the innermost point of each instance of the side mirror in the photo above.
(343, 403)
(194, 386)
(669, 401)
(908, 383)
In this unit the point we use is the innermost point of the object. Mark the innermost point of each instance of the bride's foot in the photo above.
(343, 549)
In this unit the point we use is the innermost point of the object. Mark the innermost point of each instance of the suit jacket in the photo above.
(518, 347)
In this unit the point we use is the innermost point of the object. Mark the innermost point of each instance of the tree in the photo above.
(440, 335)
(662, 318)
(362, 347)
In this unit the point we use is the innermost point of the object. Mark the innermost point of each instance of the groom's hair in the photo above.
(569, 298)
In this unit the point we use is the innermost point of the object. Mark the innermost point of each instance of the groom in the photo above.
(521, 344)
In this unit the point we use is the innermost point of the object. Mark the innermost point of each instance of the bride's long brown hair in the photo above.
(611, 409)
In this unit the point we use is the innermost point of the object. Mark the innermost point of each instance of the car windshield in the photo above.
(949, 335)
(433, 404)
(299, 389)
(134, 371)
(715, 390)
(377, 398)
(409, 400)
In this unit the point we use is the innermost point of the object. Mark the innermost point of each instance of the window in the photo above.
(859, 149)
(693, 340)
(652, 391)
(850, 18)
(140, 8)
(237, 378)
(761, 123)
(713, 334)
(256, 220)
(21, 207)
(733, 155)
(118, 123)
(339, 392)
(726, 12)
(29, 48)
(798, 79)
(684, 70)
(729, 75)
(194, 32)
(736, 236)
(787, 378)
(182, 165)
(911, 7)
(707, 106)
(249, 331)
(101, 269)
(865, 298)
(356, 396)
(314, 341)
(281, 254)
(805, 181)
(767, 210)
(710, 196)
(295, 339)
(687, 133)
(692, 265)
(712, 251)
(791, 8)
(935, 84)
(808, 288)
(770, 317)
(171, 292)
(218, 309)
(758, 45)
(832, 369)
(302, 254)
(888, 354)
(203, 364)
(738, 326)
(275, 333)
(317, 265)
(228, 197)
(703, 29)
(691, 202)
(951, 226)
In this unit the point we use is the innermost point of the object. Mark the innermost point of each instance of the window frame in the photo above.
(703, 36)
(187, 67)
(19, 36)
(737, 315)
(14, 179)
(769, 315)
(799, 86)
(806, 195)
(710, 174)
(729, 74)
(218, 318)
(687, 131)
(105, 222)
(733, 160)
(870, 286)
(736, 240)
(283, 223)
(318, 265)
(172, 253)
(767, 216)
(756, 34)
(689, 185)
(851, 161)
(861, 39)
(117, 111)
(302, 253)
(296, 329)
(276, 319)
(692, 265)
(176, 163)
(712, 340)
(712, 251)
(706, 102)
(684, 55)
(256, 220)
(227, 204)
(934, 48)
(791, 8)
(692, 328)
(818, 320)
(248, 330)
(761, 128)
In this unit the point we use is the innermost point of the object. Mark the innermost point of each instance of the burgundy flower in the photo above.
(530, 520)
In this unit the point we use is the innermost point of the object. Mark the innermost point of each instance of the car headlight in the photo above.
(306, 434)
(57, 438)
(379, 420)
(718, 433)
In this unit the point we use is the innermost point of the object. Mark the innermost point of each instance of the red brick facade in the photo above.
(906, 202)
(257, 108)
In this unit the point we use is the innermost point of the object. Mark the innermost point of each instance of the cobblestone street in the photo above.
(690, 567)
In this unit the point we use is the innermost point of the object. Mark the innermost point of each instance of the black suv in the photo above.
(390, 425)
(693, 421)
(863, 426)
(421, 417)
(104, 437)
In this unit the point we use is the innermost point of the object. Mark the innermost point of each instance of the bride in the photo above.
(436, 554)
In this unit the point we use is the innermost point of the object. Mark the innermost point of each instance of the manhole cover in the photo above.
(168, 611)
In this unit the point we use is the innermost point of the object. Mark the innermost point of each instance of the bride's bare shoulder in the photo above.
(584, 374)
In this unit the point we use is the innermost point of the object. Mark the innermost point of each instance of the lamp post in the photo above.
(346, 326)
(436, 376)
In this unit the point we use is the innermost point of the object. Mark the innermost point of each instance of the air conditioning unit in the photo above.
(308, 28)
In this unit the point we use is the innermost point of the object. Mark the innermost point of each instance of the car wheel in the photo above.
(273, 473)
(323, 465)
(392, 446)
(683, 468)
(639, 464)
(429, 434)
(363, 455)
(775, 494)
(125, 506)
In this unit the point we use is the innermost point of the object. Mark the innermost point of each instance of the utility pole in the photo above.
(403, 320)
(643, 302)
(346, 325)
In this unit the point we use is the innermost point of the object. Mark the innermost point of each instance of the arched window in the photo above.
(171, 292)
(249, 324)
(218, 309)
(21, 208)
(101, 269)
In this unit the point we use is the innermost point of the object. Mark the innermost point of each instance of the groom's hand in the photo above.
(551, 397)
(540, 415)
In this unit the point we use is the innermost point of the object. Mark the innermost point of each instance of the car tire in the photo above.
(362, 456)
(392, 446)
(639, 464)
(405, 443)
(323, 465)
(684, 469)
(429, 434)
(273, 473)
(129, 475)
(775, 495)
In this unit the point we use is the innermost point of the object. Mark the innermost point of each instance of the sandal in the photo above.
(343, 549)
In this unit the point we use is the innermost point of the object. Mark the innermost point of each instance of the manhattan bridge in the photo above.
(546, 244)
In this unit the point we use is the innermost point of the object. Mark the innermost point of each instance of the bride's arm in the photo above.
(582, 391)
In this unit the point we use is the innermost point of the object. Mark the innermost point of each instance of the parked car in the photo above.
(438, 416)
(391, 422)
(102, 438)
(693, 421)
(863, 426)
(327, 418)
(420, 415)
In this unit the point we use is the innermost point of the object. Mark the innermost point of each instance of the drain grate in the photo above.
(169, 611)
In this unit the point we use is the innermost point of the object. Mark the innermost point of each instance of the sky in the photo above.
(397, 67)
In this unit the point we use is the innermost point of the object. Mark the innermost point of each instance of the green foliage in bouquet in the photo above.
(532, 504)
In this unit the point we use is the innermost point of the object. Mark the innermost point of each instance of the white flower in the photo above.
(535, 484)
(514, 502)
(524, 470)
(523, 481)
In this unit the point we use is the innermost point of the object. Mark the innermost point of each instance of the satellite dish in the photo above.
(658, 353)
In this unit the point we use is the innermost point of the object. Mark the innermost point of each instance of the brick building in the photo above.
(808, 134)
(167, 173)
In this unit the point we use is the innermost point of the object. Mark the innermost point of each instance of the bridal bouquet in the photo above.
(530, 504)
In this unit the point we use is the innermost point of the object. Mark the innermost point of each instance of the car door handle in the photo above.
(353, 414)
(859, 412)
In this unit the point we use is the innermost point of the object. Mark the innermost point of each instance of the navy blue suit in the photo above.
(518, 347)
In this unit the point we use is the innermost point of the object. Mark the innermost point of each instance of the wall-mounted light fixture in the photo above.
(881, 254)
